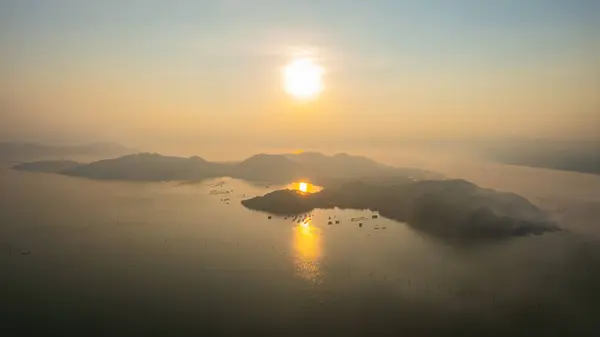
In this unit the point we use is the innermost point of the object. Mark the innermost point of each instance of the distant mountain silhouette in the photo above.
(21, 151)
(576, 160)
(448, 208)
(565, 155)
(271, 168)
(149, 167)
(275, 169)
(343, 166)
(48, 166)
(443, 207)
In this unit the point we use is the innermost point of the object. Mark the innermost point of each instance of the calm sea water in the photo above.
(85, 258)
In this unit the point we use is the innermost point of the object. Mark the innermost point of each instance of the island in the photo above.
(422, 199)
(318, 168)
(447, 208)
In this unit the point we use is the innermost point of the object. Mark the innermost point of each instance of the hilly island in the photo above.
(424, 200)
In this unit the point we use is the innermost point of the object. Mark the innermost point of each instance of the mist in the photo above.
(299, 168)
(171, 87)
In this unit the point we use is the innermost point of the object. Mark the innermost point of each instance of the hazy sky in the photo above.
(150, 72)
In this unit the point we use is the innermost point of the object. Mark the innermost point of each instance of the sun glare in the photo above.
(307, 252)
(303, 187)
(303, 79)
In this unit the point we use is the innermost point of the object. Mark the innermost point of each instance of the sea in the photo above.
(104, 258)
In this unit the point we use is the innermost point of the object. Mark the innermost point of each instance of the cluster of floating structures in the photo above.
(220, 192)
(374, 216)
(302, 218)
(337, 222)
(218, 184)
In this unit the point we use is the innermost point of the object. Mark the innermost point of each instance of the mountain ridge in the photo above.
(268, 168)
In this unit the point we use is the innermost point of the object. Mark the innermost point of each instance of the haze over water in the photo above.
(117, 258)
(460, 97)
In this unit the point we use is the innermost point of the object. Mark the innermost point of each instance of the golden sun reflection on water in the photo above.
(307, 252)
(304, 187)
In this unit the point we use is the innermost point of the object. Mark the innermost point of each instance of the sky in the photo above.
(179, 74)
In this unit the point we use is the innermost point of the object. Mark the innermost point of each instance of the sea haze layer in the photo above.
(121, 258)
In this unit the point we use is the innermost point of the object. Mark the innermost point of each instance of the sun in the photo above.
(303, 79)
